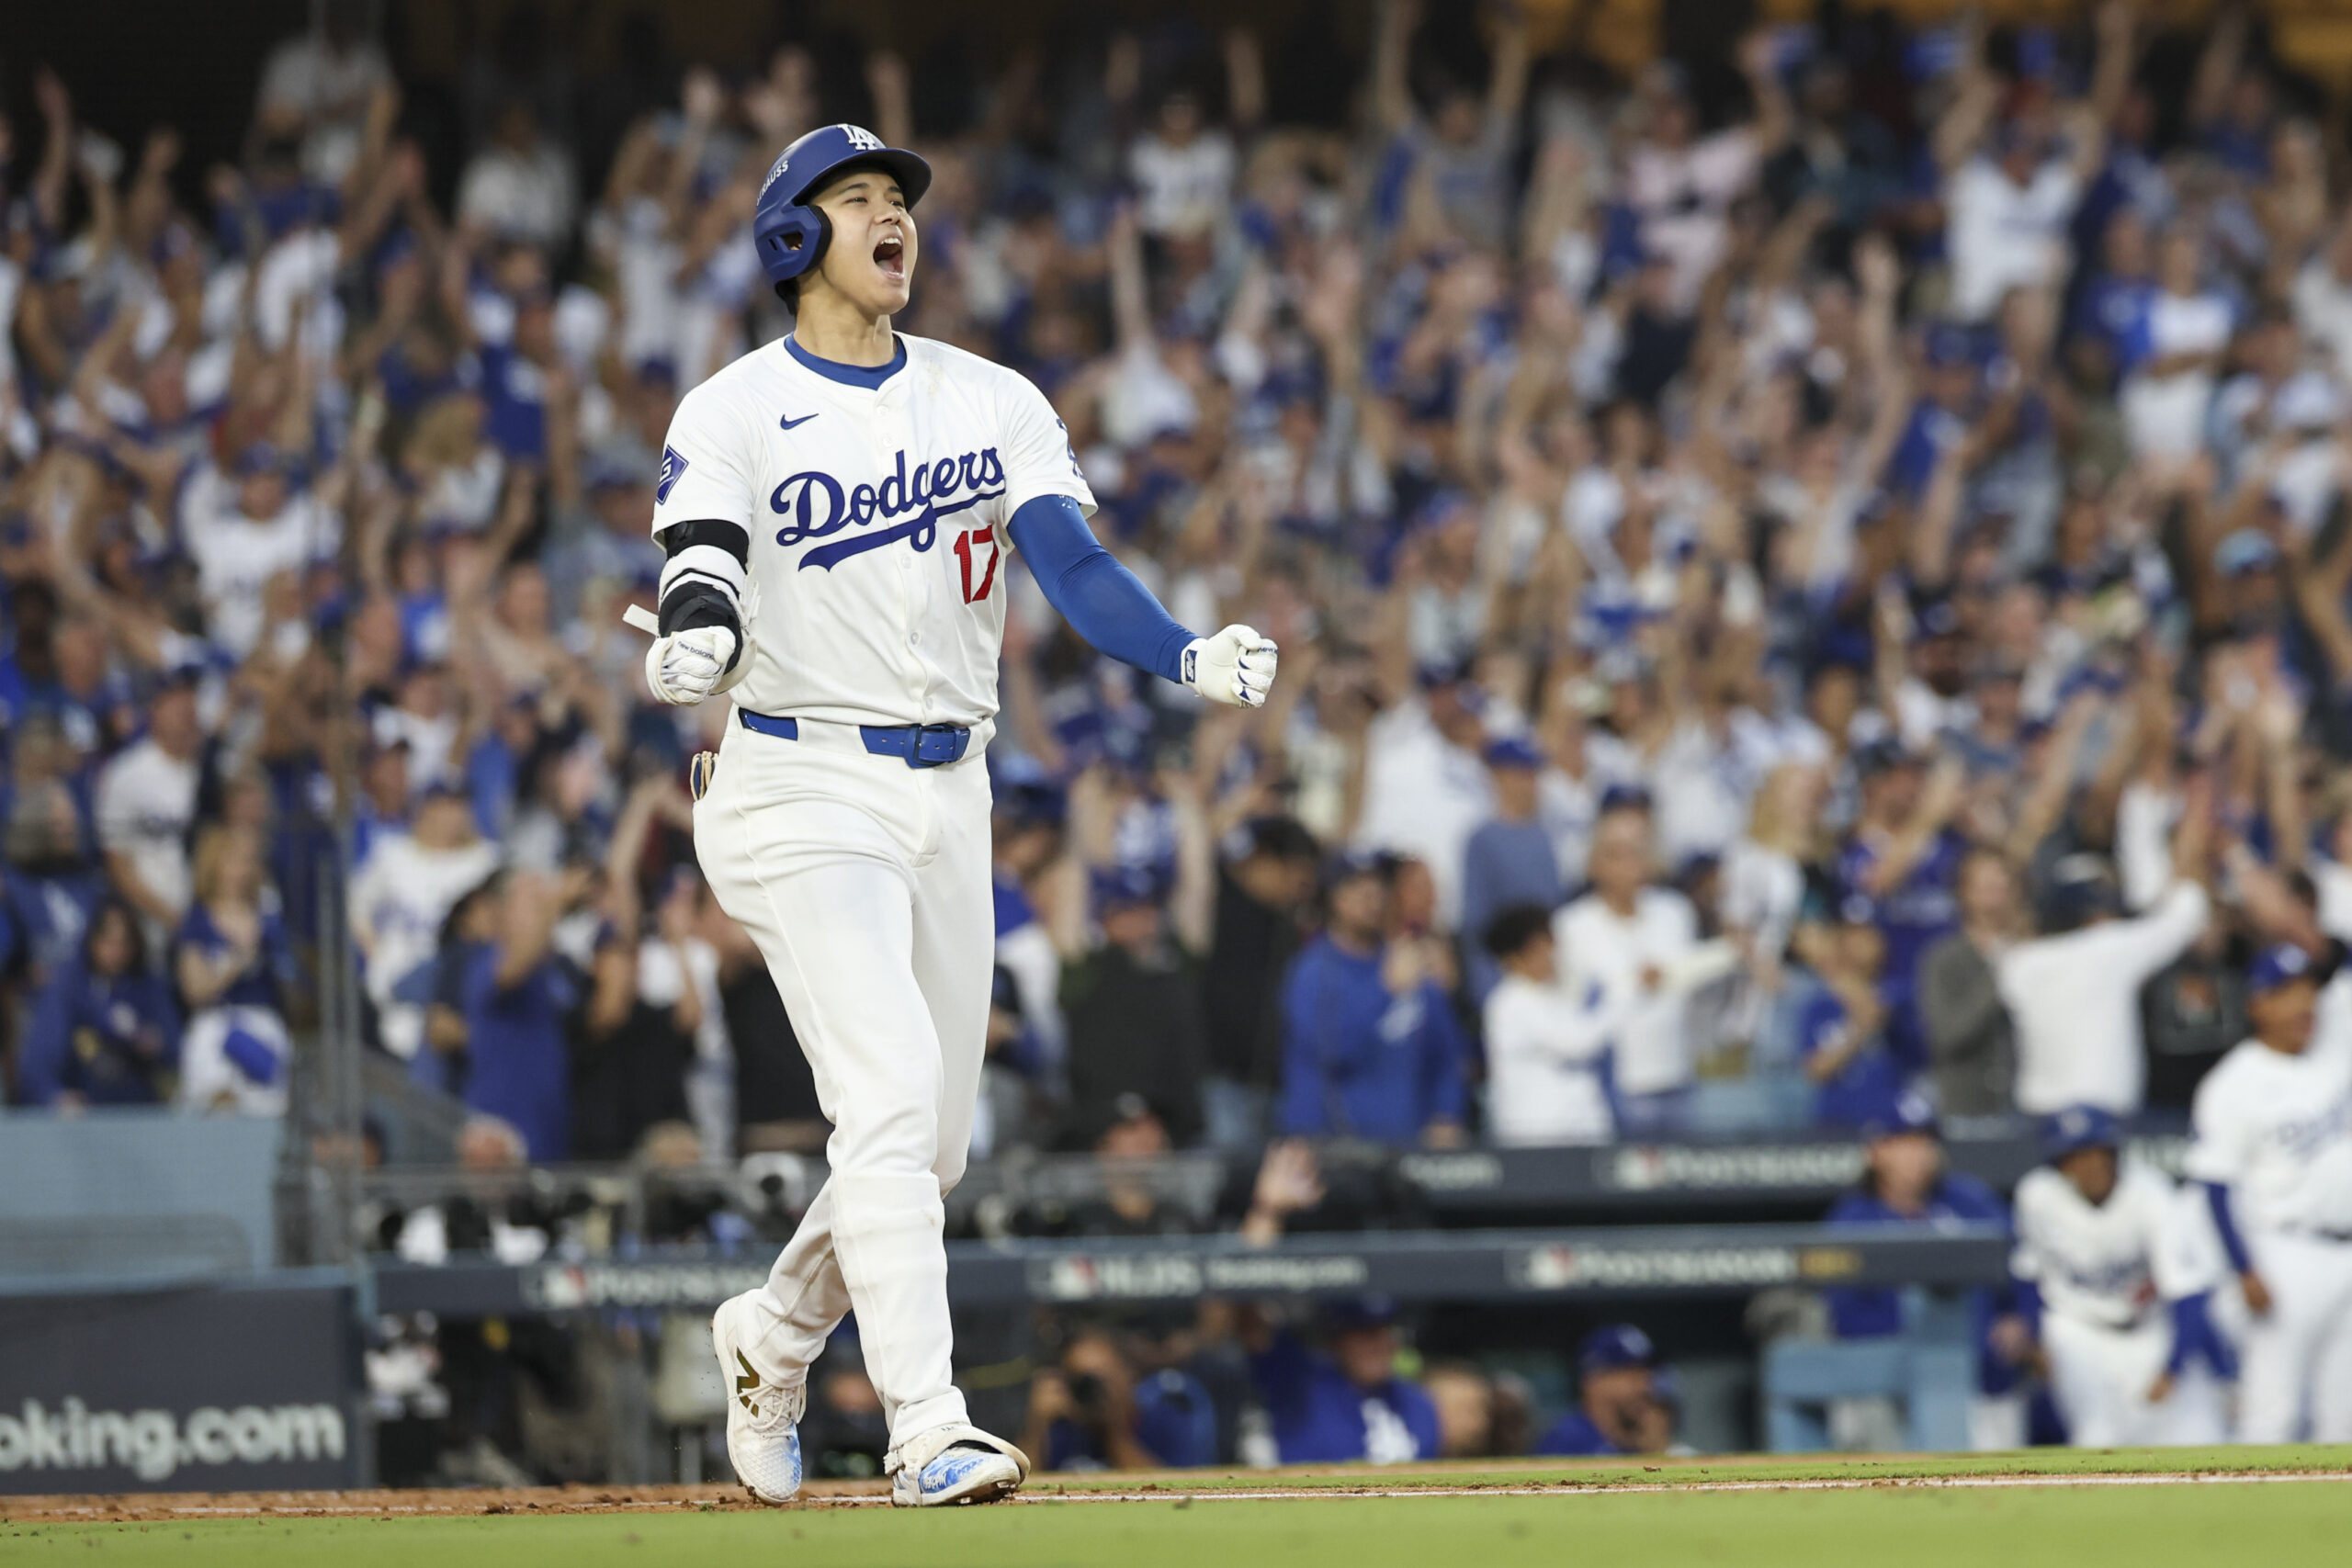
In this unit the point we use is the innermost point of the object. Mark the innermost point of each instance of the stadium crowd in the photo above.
(1808, 580)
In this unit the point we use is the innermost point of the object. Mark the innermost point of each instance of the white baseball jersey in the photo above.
(876, 519)
(2111, 1264)
(1544, 1052)
(1601, 959)
(2277, 1131)
(2076, 999)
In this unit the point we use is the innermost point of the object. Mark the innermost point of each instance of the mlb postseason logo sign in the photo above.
(179, 1390)
(1563, 1267)
(1174, 1275)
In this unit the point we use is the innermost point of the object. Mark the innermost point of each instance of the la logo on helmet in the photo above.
(861, 139)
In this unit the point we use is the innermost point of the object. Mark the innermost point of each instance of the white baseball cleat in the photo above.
(956, 1463)
(763, 1418)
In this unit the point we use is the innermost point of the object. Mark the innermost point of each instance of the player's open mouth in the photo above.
(890, 255)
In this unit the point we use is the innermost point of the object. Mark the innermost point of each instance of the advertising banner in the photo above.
(184, 1390)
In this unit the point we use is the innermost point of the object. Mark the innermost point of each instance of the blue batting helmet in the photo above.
(791, 235)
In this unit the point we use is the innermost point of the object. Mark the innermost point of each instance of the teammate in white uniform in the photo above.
(2273, 1123)
(836, 507)
(2101, 1251)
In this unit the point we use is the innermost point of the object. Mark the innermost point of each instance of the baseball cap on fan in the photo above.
(1126, 886)
(1614, 1346)
(2246, 550)
(1358, 1312)
(2276, 967)
(1513, 751)
(1909, 1113)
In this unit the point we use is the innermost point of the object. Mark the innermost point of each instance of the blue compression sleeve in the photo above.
(2217, 1196)
(2193, 1334)
(2029, 1305)
(1101, 600)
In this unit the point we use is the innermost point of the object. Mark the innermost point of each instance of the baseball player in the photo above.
(2110, 1288)
(2273, 1126)
(836, 507)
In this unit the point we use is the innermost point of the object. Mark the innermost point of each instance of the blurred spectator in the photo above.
(1263, 898)
(1132, 1002)
(2011, 183)
(1630, 950)
(1424, 790)
(521, 186)
(1346, 1402)
(1623, 1402)
(1370, 1047)
(515, 995)
(1025, 839)
(1681, 185)
(497, 1214)
(1128, 1197)
(1971, 1042)
(1763, 886)
(1470, 1422)
(1508, 859)
(1082, 1414)
(103, 1030)
(321, 85)
(2075, 991)
(1842, 1036)
(1896, 870)
(632, 1053)
(1546, 1047)
(1459, 152)
(1907, 1182)
(406, 888)
(235, 968)
(146, 806)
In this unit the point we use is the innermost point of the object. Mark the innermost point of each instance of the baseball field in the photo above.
(2266, 1507)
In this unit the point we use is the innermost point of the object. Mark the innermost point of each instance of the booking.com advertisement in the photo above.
(177, 1390)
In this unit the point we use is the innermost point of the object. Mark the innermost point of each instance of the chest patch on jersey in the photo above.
(673, 467)
(907, 503)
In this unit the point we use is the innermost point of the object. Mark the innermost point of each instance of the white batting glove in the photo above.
(1236, 666)
(685, 667)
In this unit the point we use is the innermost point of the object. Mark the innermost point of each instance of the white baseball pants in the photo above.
(2299, 1353)
(2100, 1377)
(865, 883)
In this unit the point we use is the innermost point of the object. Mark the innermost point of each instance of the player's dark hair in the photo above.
(1510, 933)
(1284, 837)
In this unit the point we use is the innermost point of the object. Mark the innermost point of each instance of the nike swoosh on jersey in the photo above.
(788, 424)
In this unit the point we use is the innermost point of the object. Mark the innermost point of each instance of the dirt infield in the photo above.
(141, 1508)
(1512, 1478)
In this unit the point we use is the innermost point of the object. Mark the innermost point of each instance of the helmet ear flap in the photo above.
(796, 241)
(825, 236)
(803, 237)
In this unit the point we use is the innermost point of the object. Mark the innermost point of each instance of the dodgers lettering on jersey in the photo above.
(877, 522)
(2110, 1264)
(2277, 1131)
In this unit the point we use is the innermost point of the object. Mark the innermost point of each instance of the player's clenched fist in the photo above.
(1234, 667)
(685, 667)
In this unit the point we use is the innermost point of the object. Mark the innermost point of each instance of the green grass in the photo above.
(2151, 1527)
(1601, 1473)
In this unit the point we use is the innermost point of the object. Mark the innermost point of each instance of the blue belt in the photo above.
(920, 745)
